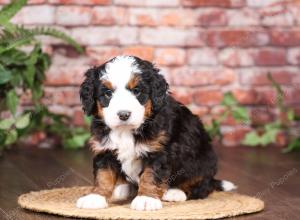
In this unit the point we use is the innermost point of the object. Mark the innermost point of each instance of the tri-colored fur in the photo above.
(162, 146)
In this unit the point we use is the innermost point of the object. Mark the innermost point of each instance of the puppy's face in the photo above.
(123, 92)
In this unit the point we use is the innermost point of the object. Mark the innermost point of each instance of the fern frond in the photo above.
(22, 35)
(8, 11)
(57, 34)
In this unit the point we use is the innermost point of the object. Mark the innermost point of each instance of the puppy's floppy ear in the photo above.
(87, 91)
(159, 88)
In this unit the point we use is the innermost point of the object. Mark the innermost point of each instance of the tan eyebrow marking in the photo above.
(133, 82)
(107, 84)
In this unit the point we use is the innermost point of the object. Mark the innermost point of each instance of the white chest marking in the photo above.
(129, 154)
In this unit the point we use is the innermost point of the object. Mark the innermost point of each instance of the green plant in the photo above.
(231, 108)
(22, 71)
(268, 133)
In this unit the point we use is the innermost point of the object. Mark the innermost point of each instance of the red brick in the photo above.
(78, 117)
(216, 110)
(35, 14)
(270, 57)
(266, 97)
(211, 17)
(195, 38)
(200, 111)
(100, 55)
(109, 15)
(183, 95)
(245, 96)
(143, 17)
(208, 97)
(259, 76)
(170, 56)
(163, 36)
(237, 37)
(217, 3)
(80, 2)
(177, 17)
(73, 15)
(293, 56)
(243, 17)
(235, 57)
(234, 136)
(202, 56)
(285, 37)
(264, 3)
(276, 15)
(295, 9)
(164, 3)
(143, 52)
(105, 35)
(61, 96)
(32, 2)
(260, 116)
(162, 17)
(62, 59)
(196, 77)
(61, 109)
(294, 97)
(65, 75)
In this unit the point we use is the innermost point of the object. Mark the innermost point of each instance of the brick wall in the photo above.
(204, 48)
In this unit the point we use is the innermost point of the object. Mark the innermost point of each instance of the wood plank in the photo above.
(13, 183)
(254, 176)
(44, 169)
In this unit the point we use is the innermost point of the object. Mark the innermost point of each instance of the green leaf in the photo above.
(87, 120)
(76, 141)
(229, 99)
(29, 75)
(269, 137)
(214, 129)
(5, 75)
(23, 121)
(6, 123)
(271, 126)
(240, 114)
(294, 145)
(291, 115)
(12, 101)
(37, 92)
(11, 137)
(9, 10)
(252, 139)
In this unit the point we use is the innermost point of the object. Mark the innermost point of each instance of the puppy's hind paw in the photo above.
(91, 201)
(174, 195)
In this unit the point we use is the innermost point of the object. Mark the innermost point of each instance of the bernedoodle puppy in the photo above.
(146, 145)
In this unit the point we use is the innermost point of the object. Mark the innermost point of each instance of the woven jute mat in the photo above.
(218, 205)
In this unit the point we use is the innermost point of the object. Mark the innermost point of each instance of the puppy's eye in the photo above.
(108, 94)
(136, 91)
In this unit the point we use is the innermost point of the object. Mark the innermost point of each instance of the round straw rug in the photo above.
(217, 205)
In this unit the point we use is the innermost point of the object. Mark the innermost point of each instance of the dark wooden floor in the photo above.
(265, 173)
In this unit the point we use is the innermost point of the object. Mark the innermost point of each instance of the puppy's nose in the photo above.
(124, 115)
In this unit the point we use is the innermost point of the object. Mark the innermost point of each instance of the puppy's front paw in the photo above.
(91, 201)
(147, 203)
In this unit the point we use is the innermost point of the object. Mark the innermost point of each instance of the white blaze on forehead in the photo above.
(120, 70)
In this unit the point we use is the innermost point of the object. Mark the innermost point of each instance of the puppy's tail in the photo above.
(224, 185)
(208, 185)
